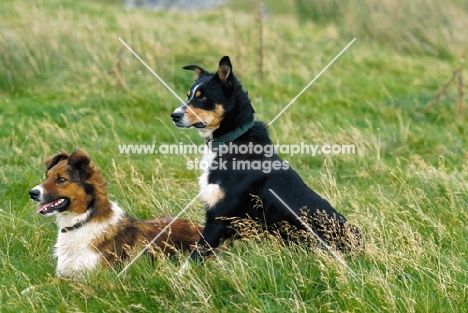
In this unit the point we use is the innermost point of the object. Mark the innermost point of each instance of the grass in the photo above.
(419, 27)
(407, 188)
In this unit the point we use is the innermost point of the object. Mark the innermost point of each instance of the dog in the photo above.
(93, 231)
(221, 111)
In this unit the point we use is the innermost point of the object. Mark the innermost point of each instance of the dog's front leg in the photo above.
(215, 231)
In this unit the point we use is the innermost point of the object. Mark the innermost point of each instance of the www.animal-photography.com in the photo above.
(233, 156)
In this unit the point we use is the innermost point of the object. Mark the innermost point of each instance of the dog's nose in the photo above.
(34, 194)
(176, 116)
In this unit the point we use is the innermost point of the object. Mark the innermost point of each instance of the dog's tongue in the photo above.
(43, 206)
(40, 207)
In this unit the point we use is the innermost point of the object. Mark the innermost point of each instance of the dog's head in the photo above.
(68, 185)
(215, 99)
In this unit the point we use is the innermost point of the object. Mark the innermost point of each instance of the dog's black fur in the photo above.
(224, 107)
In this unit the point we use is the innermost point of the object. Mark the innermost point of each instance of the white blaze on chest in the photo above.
(212, 193)
(74, 254)
(74, 250)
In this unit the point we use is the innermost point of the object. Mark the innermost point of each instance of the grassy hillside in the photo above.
(67, 81)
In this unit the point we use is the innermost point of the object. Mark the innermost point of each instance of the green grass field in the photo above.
(66, 81)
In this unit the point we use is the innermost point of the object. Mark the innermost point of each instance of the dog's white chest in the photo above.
(74, 252)
(210, 193)
(74, 249)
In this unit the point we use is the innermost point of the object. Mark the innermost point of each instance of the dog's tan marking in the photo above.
(69, 189)
(212, 118)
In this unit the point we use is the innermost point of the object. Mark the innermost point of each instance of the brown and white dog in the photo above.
(94, 231)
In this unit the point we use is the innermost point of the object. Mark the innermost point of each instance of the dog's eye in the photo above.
(60, 180)
(203, 98)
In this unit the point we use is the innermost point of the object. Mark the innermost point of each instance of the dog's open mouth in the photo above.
(52, 207)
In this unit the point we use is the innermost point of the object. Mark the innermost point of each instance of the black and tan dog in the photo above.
(94, 231)
(240, 164)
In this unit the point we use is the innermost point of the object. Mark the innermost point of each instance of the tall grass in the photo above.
(407, 188)
(419, 27)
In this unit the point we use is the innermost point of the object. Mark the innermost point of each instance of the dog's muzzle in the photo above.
(179, 120)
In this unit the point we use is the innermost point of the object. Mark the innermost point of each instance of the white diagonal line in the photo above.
(151, 70)
(160, 79)
(312, 81)
(160, 233)
(330, 249)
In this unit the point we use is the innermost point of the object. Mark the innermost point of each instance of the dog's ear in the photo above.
(53, 160)
(225, 71)
(199, 71)
(80, 160)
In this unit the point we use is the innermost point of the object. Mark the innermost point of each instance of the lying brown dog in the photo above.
(94, 231)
